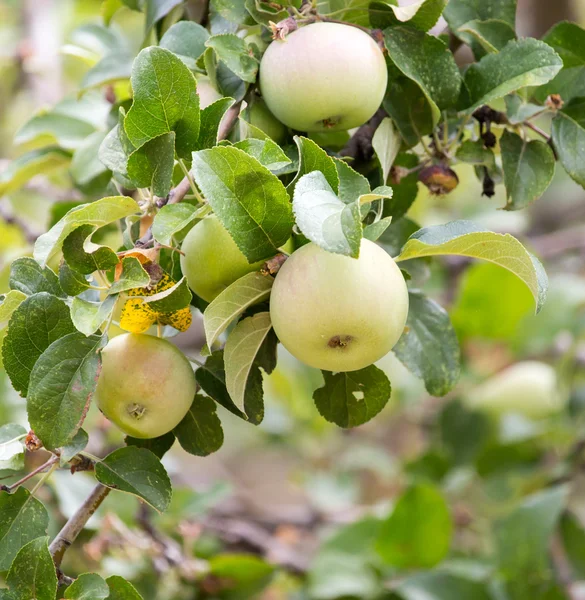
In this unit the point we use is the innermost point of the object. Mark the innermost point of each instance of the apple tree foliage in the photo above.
(153, 163)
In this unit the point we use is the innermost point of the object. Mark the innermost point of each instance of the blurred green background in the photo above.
(288, 509)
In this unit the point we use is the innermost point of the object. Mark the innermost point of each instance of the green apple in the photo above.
(528, 388)
(339, 313)
(323, 77)
(207, 93)
(211, 260)
(258, 115)
(146, 385)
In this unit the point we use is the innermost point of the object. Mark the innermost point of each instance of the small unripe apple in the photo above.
(258, 115)
(323, 77)
(146, 385)
(339, 313)
(528, 388)
(207, 93)
(212, 261)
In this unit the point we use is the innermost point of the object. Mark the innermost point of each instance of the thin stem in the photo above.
(44, 478)
(158, 329)
(53, 460)
(191, 181)
(90, 456)
(537, 129)
(76, 523)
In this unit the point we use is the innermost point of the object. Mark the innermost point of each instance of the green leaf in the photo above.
(187, 40)
(11, 448)
(386, 143)
(519, 110)
(88, 316)
(463, 432)
(247, 291)
(74, 447)
(32, 573)
(159, 446)
(568, 40)
(88, 586)
(172, 219)
(422, 14)
(352, 398)
(120, 589)
(464, 238)
(8, 304)
(86, 165)
(54, 127)
(22, 519)
(568, 135)
(492, 35)
(414, 118)
(490, 303)
(523, 537)
(241, 348)
(417, 534)
(28, 277)
(133, 276)
(40, 320)
(522, 63)
(234, 53)
(249, 200)
(172, 299)
(427, 61)
(373, 231)
(429, 346)
(72, 282)
(266, 152)
(345, 566)
(157, 9)
(475, 153)
(211, 378)
(324, 219)
(165, 100)
(353, 185)
(99, 213)
(211, 117)
(529, 167)
(314, 158)
(113, 67)
(61, 387)
(439, 585)
(83, 255)
(573, 538)
(151, 165)
(200, 431)
(459, 12)
(136, 471)
(27, 166)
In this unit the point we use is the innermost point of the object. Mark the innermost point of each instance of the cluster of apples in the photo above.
(330, 311)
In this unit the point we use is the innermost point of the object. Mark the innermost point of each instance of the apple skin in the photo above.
(212, 261)
(323, 77)
(260, 116)
(528, 388)
(144, 374)
(339, 313)
(207, 93)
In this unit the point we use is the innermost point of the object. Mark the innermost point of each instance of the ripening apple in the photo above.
(528, 388)
(258, 115)
(146, 385)
(339, 313)
(211, 260)
(323, 77)
(207, 93)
